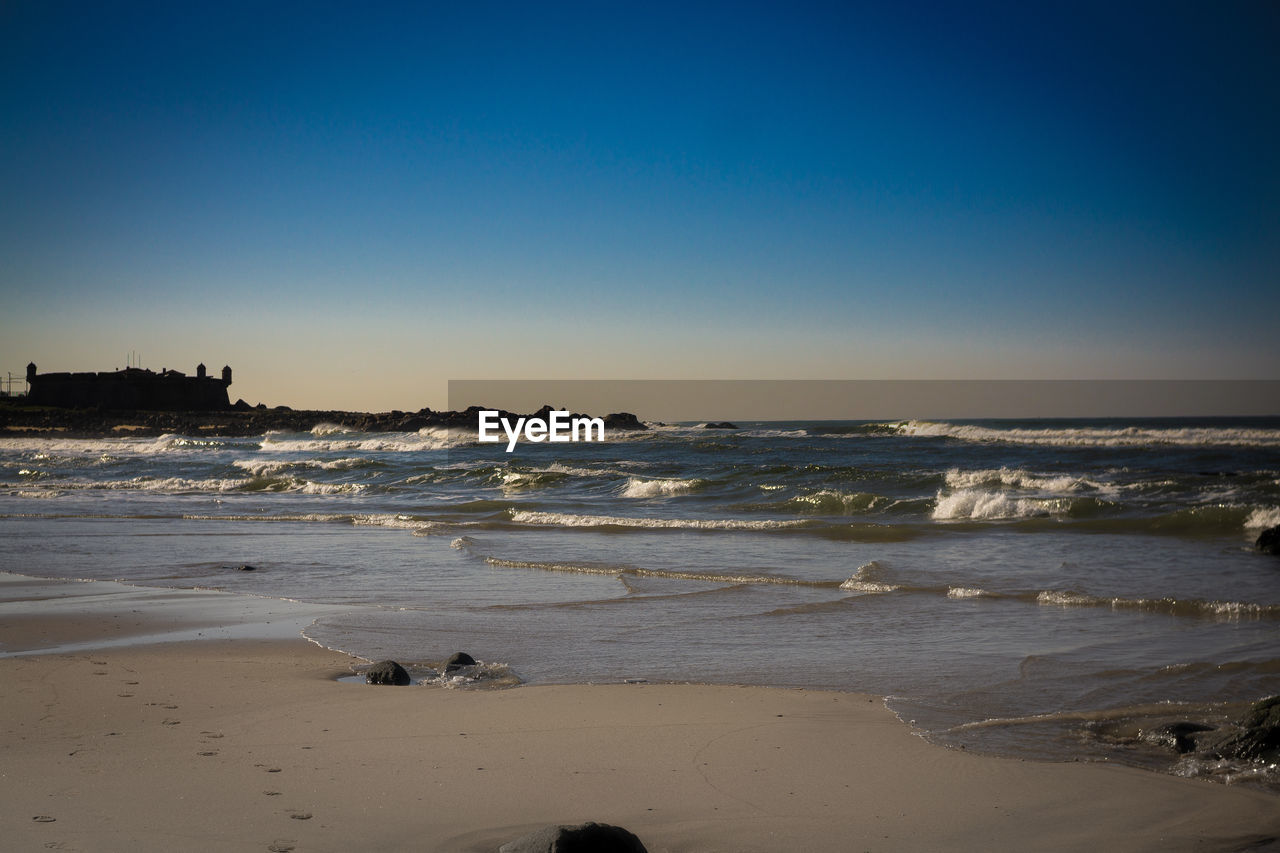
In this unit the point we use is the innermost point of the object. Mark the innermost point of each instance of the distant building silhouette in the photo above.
(131, 388)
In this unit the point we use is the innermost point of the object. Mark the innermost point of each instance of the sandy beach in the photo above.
(163, 741)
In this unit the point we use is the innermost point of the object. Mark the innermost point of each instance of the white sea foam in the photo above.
(554, 472)
(393, 521)
(267, 467)
(966, 592)
(869, 578)
(264, 467)
(219, 485)
(1094, 436)
(1063, 598)
(478, 675)
(984, 505)
(1263, 517)
(1020, 479)
(564, 519)
(171, 484)
(310, 487)
(1231, 610)
(520, 479)
(325, 517)
(638, 488)
(80, 448)
(430, 438)
(1229, 772)
(576, 471)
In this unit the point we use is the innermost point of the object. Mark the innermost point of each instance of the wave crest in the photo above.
(1131, 436)
(636, 487)
(566, 519)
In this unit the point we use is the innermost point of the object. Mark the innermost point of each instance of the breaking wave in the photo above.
(833, 502)
(268, 467)
(1019, 479)
(565, 519)
(1129, 436)
(1263, 517)
(1179, 607)
(636, 487)
(869, 578)
(428, 438)
(985, 505)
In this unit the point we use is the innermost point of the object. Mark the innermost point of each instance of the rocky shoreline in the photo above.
(17, 420)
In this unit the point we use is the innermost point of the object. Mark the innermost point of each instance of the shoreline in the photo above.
(247, 740)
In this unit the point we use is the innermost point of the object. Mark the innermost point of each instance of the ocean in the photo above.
(1055, 589)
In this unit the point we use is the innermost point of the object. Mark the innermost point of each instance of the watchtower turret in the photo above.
(226, 374)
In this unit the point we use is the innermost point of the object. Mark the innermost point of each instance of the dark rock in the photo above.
(623, 420)
(457, 661)
(720, 425)
(242, 419)
(1257, 737)
(1269, 540)
(386, 672)
(585, 838)
(414, 423)
(246, 568)
(1180, 737)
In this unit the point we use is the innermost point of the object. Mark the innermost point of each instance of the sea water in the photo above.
(1047, 588)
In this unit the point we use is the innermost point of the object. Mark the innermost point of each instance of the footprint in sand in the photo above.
(168, 722)
(43, 818)
(297, 815)
(209, 752)
(282, 845)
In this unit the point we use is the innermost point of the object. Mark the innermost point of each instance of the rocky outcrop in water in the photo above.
(720, 425)
(1180, 737)
(1258, 736)
(623, 420)
(18, 419)
(584, 838)
(386, 672)
(1269, 541)
(457, 661)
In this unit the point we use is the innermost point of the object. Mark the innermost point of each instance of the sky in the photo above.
(352, 204)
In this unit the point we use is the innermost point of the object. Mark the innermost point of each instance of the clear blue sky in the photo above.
(353, 203)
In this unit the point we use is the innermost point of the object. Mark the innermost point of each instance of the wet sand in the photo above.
(237, 738)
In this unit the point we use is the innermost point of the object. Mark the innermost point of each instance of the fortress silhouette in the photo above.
(131, 388)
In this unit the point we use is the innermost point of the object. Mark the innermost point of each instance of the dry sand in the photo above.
(248, 744)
